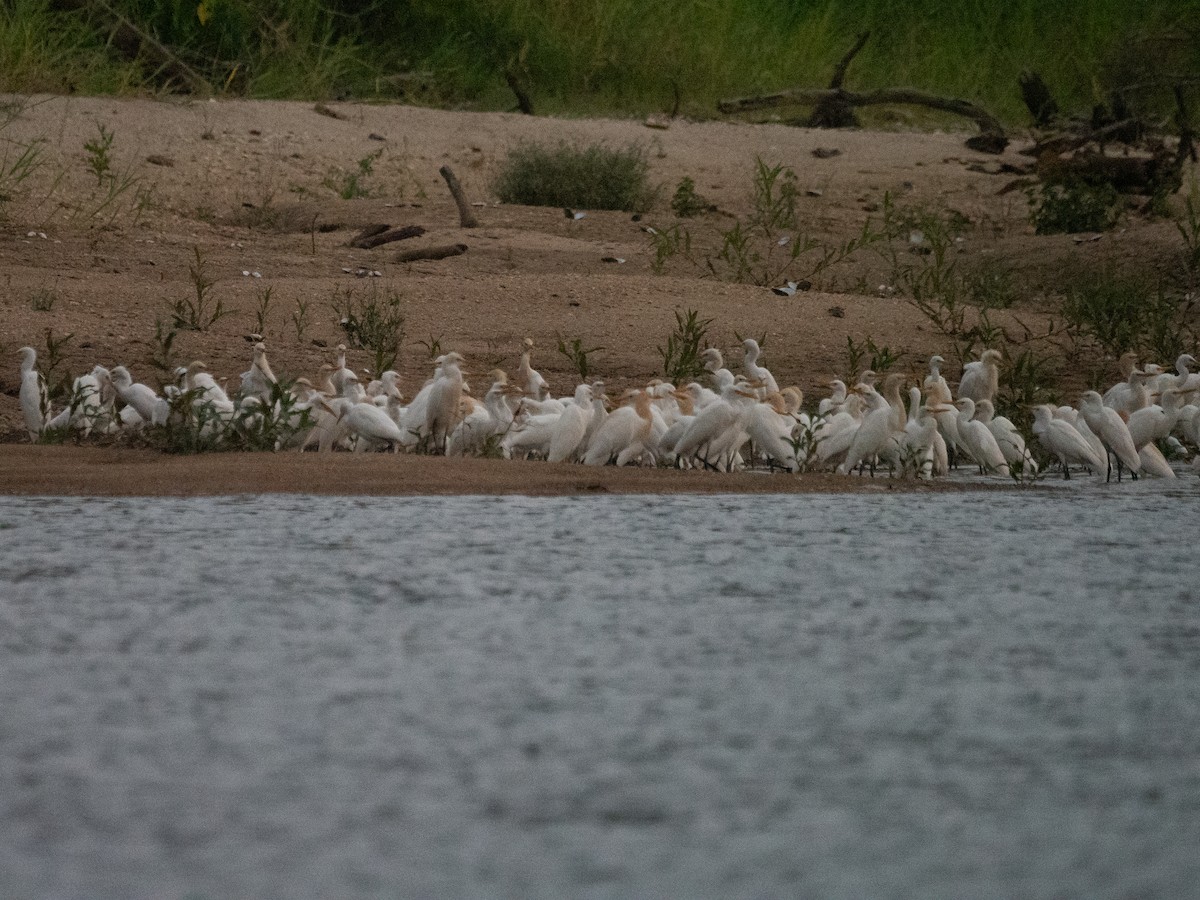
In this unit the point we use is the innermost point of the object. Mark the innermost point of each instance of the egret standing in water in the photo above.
(1063, 440)
(1112, 431)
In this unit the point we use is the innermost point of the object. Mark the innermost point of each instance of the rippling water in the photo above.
(978, 695)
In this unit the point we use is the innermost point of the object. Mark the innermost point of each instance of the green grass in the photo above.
(588, 177)
(620, 56)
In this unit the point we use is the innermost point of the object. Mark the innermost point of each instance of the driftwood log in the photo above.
(439, 252)
(516, 76)
(833, 107)
(834, 111)
(991, 137)
(1073, 150)
(466, 216)
(377, 235)
(1038, 99)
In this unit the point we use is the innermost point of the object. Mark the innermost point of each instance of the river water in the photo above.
(972, 695)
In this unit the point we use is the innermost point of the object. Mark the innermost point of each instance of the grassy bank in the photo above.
(616, 57)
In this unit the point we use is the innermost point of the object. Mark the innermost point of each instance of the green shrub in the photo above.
(1073, 206)
(374, 323)
(686, 202)
(1108, 310)
(591, 177)
(1123, 314)
(682, 354)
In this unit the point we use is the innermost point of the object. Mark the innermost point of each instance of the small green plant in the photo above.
(195, 425)
(274, 424)
(684, 346)
(16, 167)
(58, 385)
(765, 247)
(577, 355)
(927, 274)
(200, 311)
(374, 322)
(990, 285)
(1069, 207)
(433, 346)
(192, 426)
(493, 447)
(1108, 309)
(109, 201)
(300, 318)
(99, 154)
(43, 299)
(1026, 380)
(877, 359)
(591, 177)
(1188, 226)
(667, 244)
(805, 439)
(686, 203)
(775, 195)
(760, 339)
(260, 209)
(1168, 329)
(162, 356)
(262, 309)
(349, 185)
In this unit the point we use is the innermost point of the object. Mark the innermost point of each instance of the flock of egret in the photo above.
(726, 425)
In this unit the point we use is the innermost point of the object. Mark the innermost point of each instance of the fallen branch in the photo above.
(1079, 156)
(516, 75)
(466, 217)
(834, 111)
(369, 232)
(1126, 131)
(439, 252)
(1126, 174)
(375, 235)
(1038, 99)
(990, 139)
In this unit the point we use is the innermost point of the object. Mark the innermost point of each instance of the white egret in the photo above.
(770, 429)
(978, 440)
(922, 440)
(623, 434)
(875, 438)
(714, 429)
(755, 372)
(1061, 439)
(372, 425)
(259, 380)
(833, 435)
(442, 411)
(1154, 463)
(566, 441)
(35, 400)
(141, 398)
(1008, 439)
(1112, 431)
(837, 396)
(981, 379)
(492, 417)
(1129, 393)
(528, 378)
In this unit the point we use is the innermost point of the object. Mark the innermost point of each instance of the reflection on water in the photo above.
(837, 696)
